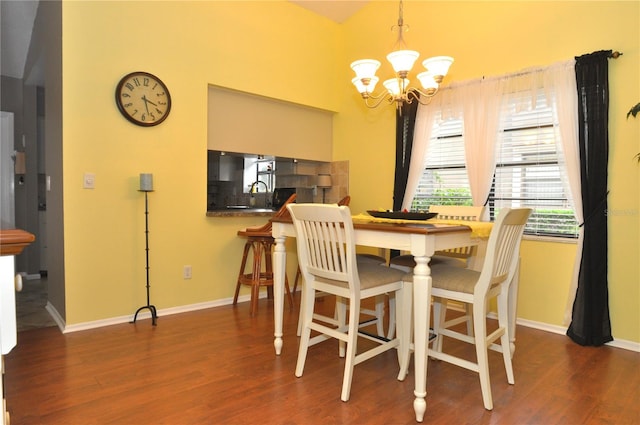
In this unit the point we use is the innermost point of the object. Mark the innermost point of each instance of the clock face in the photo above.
(143, 99)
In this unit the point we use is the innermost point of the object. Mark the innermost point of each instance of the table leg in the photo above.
(421, 307)
(404, 329)
(279, 270)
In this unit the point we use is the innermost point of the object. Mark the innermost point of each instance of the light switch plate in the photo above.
(89, 181)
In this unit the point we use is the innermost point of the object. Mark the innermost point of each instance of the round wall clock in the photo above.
(143, 99)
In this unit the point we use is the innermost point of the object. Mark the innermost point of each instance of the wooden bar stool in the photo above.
(260, 243)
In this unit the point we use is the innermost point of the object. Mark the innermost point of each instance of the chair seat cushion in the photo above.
(371, 275)
(451, 278)
(371, 258)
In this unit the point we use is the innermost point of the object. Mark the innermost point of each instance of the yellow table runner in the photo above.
(479, 229)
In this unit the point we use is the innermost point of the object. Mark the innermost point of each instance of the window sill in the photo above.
(555, 239)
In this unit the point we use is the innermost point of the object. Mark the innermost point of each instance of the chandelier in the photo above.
(402, 60)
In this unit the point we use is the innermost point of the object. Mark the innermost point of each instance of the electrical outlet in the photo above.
(186, 272)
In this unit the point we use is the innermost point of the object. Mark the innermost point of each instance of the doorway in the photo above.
(31, 301)
(7, 158)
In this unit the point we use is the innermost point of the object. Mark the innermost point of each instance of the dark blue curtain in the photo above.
(590, 323)
(405, 124)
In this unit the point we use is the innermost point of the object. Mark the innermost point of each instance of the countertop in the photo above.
(248, 212)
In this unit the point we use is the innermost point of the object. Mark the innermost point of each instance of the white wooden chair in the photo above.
(454, 257)
(327, 259)
(477, 289)
(376, 315)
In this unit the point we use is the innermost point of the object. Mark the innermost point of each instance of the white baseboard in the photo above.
(145, 314)
(560, 330)
(55, 316)
(26, 276)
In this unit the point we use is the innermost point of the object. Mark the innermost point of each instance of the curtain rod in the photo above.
(614, 55)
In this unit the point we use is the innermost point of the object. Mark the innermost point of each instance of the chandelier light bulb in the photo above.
(365, 85)
(438, 66)
(428, 82)
(396, 86)
(365, 68)
(402, 60)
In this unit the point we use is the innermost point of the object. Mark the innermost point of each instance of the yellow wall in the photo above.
(493, 38)
(189, 45)
(300, 57)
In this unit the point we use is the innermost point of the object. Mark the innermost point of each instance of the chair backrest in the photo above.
(458, 212)
(282, 211)
(503, 249)
(326, 243)
(345, 201)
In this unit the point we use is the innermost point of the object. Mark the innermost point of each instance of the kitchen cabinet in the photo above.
(223, 168)
(297, 168)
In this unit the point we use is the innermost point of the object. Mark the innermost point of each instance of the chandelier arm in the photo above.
(414, 93)
(378, 100)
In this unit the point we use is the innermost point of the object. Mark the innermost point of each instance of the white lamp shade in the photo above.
(324, 180)
(428, 82)
(395, 86)
(365, 88)
(146, 182)
(402, 60)
(438, 66)
(365, 68)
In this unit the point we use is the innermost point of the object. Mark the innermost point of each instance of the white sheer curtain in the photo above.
(481, 109)
(562, 77)
(558, 82)
(479, 102)
(444, 106)
(425, 117)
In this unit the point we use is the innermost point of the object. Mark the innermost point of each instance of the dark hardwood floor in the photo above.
(217, 366)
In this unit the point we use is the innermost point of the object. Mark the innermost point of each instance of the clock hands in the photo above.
(146, 105)
(148, 101)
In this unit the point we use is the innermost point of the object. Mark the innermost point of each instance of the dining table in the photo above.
(421, 239)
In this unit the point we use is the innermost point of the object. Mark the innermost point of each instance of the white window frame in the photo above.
(425, 188)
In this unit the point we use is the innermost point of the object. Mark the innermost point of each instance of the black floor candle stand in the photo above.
(151, 308)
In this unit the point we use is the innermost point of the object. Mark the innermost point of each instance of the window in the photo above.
(259, 174)
(444, 180)
(527, 172)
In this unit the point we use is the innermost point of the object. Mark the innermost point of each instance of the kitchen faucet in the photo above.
(255, 189)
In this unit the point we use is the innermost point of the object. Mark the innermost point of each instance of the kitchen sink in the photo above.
(248, 208)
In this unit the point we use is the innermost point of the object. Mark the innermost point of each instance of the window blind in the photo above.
(527, 172)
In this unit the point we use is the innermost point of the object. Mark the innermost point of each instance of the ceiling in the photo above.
(17, 18)
(16, 24)
(336, 10)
